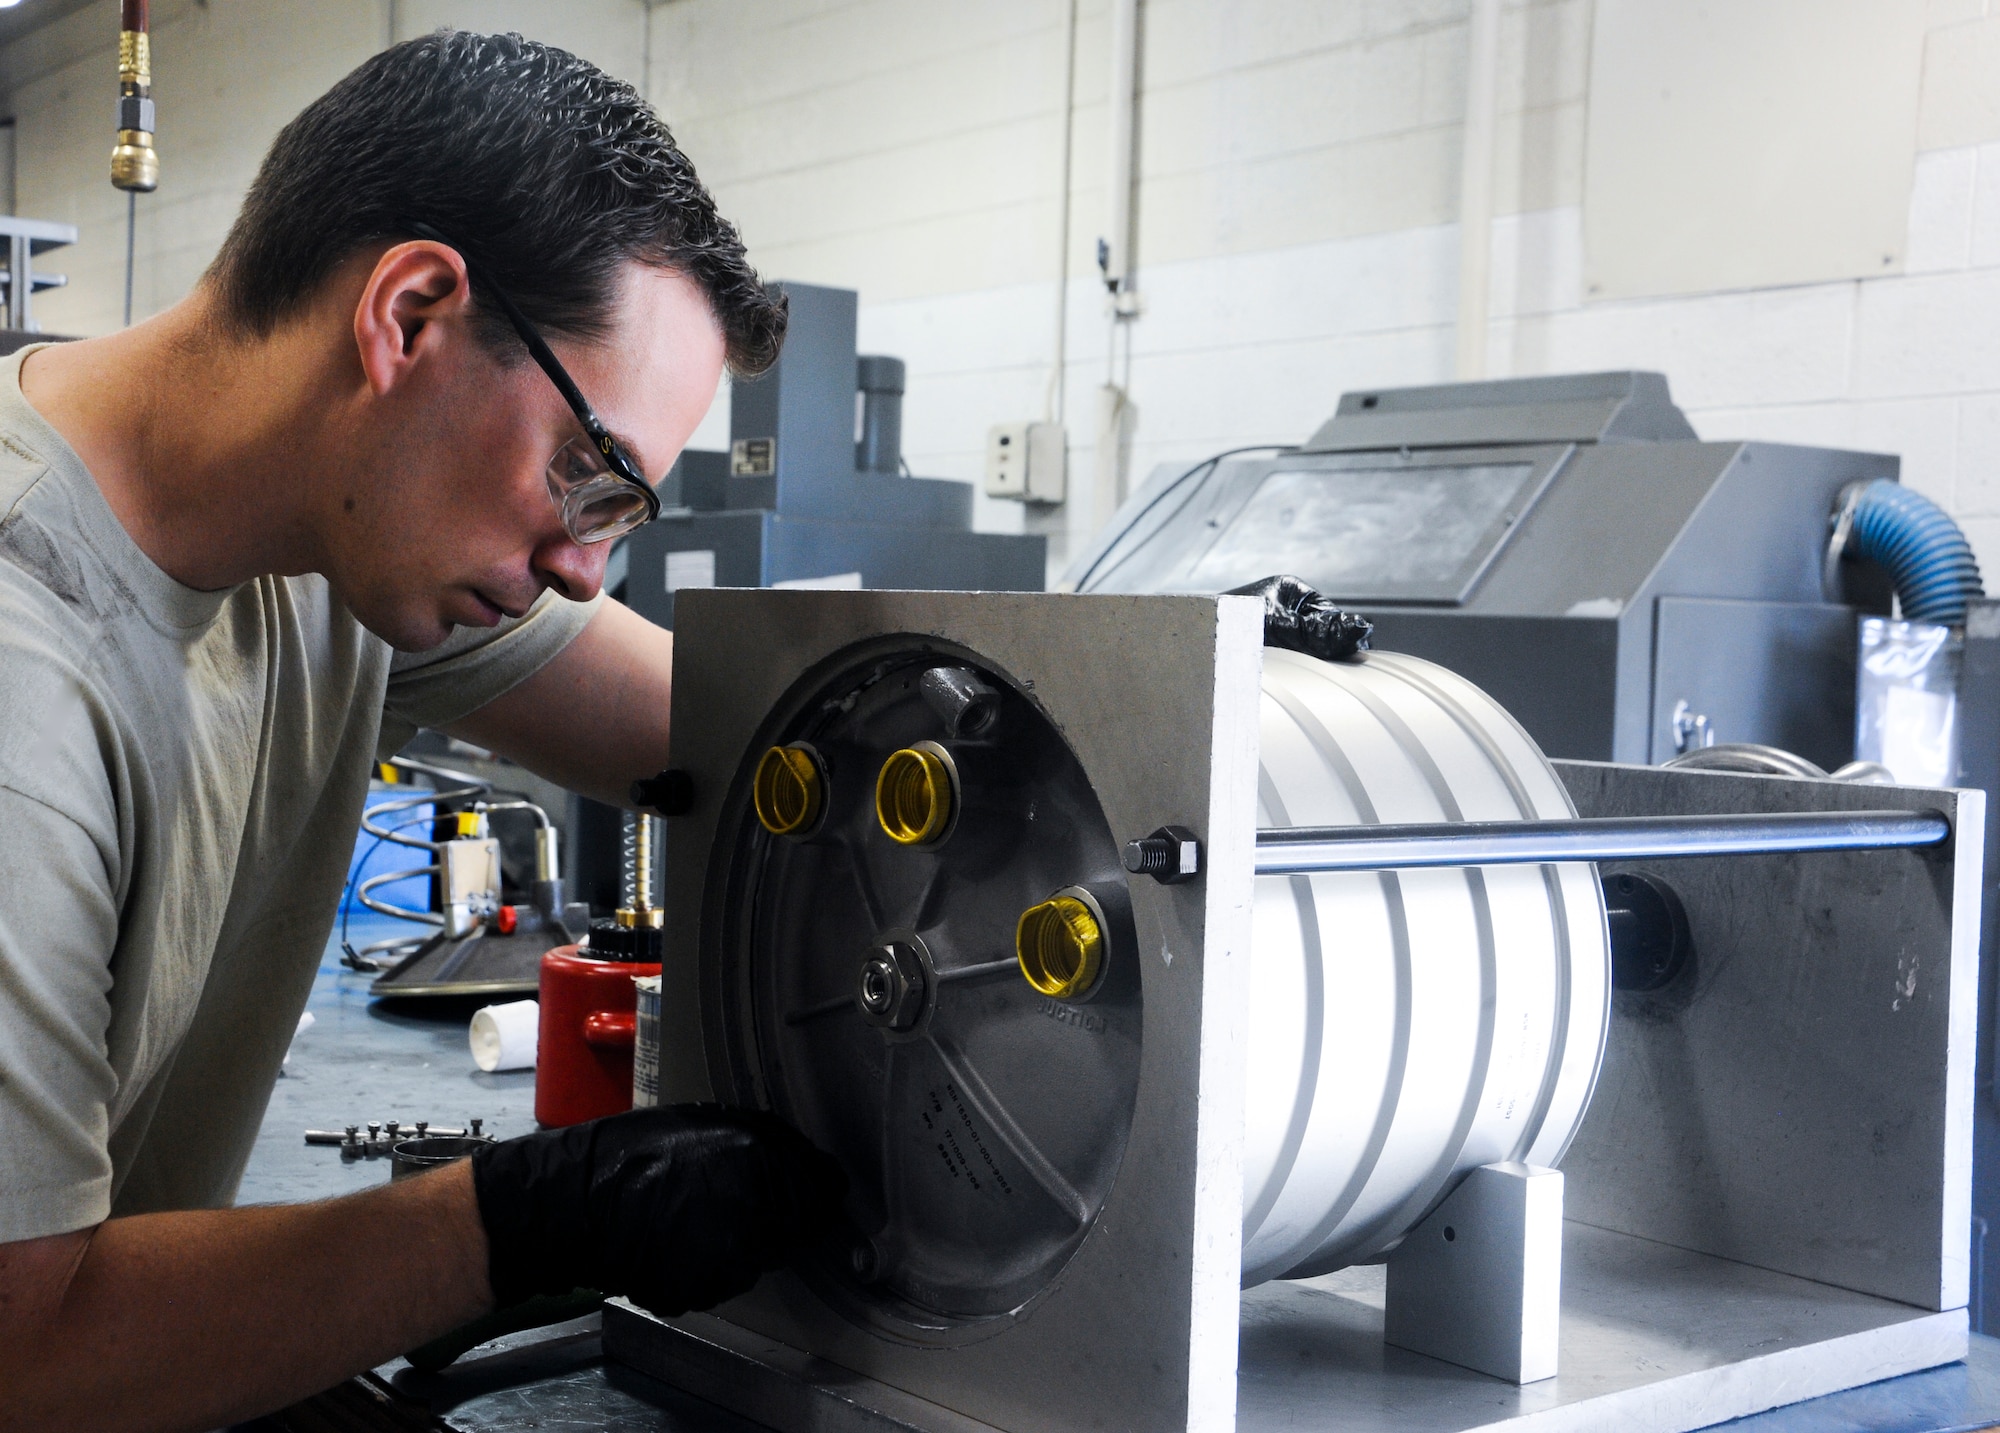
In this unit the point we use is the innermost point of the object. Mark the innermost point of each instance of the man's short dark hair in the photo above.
(546, 172)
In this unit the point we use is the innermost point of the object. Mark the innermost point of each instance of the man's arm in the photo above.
(594, 719)
(198, 1320)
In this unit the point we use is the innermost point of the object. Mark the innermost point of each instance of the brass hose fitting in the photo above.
(916, 793)
(789, 789)
(1060, 944)
(135, 164)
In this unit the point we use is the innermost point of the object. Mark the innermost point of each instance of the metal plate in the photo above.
(482, 963)
(1654, 1340)
(1802, 1101)
(1157, 698)
(1720, 658)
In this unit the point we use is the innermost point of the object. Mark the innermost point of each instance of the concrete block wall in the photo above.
(227, 74)
(1296, 206)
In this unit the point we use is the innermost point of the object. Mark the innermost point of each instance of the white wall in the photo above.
(1298, 181)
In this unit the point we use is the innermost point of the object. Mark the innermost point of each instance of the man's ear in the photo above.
(406, 305)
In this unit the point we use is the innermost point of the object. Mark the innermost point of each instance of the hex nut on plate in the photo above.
(891, 990)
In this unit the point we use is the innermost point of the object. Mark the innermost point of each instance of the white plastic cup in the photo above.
(503, 1036)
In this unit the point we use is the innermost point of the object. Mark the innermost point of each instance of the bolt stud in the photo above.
(1170, 855)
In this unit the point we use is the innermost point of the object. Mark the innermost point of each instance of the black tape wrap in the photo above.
(1298, 619)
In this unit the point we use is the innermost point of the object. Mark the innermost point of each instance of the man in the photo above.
(344, 490)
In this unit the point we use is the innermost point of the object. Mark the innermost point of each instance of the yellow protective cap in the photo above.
(1060, 946)
(913, 794)
(788, 790)
(468, 823)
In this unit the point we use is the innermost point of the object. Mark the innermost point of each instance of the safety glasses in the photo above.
(593, 482)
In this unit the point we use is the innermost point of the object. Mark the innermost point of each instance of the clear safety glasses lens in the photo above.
(596, 504)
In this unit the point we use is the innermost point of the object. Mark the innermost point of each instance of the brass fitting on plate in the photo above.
(788, 791)
(1060, 944)
(916, 794)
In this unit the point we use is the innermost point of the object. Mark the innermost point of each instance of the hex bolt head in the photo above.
(1170, 855)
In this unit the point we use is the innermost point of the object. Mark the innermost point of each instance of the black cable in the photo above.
(1210, 463)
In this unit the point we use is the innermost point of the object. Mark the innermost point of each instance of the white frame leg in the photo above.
(1479, 1283)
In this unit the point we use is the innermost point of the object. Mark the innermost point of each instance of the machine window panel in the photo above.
(1416, 533)
(1171, 531)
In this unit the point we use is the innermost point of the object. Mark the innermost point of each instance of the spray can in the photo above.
(646, 1043)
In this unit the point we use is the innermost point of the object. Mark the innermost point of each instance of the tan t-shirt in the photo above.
(181, 777)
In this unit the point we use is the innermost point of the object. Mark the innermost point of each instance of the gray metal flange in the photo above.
(884, 1013)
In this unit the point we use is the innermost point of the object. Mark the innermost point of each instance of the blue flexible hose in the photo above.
(1927, 556)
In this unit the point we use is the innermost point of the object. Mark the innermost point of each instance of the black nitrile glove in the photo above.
(1298, 619)
(678, 1207)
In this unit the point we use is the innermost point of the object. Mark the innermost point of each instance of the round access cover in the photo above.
(981, 1122)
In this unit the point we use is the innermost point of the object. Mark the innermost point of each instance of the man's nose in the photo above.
(574, 569)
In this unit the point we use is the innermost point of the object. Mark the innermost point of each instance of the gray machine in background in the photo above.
(1623, 588)
(809, 493)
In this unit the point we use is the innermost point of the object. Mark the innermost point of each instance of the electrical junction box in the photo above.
(1025, 462)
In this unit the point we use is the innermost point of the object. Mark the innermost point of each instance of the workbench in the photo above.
(360, 1061)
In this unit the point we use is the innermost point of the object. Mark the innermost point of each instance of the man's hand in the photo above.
(197, 1320)
(680, 1208)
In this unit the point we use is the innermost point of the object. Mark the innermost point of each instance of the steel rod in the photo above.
(1297, 850)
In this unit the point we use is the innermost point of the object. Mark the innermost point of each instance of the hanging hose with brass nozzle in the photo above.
(135, 164)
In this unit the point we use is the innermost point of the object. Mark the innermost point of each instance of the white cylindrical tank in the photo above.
(1405, 1026)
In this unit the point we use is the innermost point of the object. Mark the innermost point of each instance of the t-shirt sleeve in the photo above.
(58, 927)
(475, 665)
